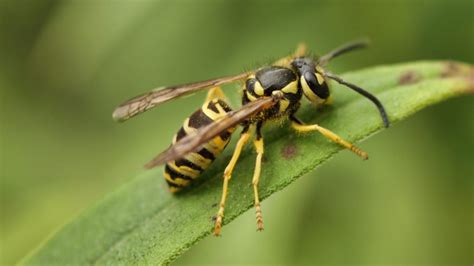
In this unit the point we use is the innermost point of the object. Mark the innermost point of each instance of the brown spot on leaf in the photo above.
(453, 69)
(450, 69)
(470, 79)
(214, 218)
(409, 77)
(289, 151)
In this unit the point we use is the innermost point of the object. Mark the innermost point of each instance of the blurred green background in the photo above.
(64, 65)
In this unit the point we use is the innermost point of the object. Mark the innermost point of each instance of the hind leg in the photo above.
(258, 142)
(244, 136)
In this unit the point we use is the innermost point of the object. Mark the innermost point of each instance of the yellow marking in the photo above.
(208, 112)
(227, 176)
(167, 176)
(292, 87)
(231, 130)
(206, 103)
(250, 96)
(220, 142)
(187, 171)
(332, 136)
(284, 105)
(211, 114)
(214, 93)
(178, 181)
(214, 149)
(220, 109)
(320, 79)
(216, 145)
(198, 160)
(319, 69)
(187, 128)
(309, 93)
(174, 138)
(258, 89)
(256, 178)
(174, 189)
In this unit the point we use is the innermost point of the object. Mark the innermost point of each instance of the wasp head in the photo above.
(313, 83)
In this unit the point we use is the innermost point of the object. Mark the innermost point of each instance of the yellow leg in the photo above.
(256, 177)
(214, 93)
(227, 175)
(330, 135)
(300, 51)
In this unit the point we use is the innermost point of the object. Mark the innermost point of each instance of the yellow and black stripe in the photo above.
(180, 173)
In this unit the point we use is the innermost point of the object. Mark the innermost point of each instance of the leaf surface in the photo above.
(141, 222)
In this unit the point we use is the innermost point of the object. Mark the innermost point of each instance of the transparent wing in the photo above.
(142, 103)
(193, 142)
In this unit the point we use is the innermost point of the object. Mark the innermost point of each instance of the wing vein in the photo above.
(193, 142)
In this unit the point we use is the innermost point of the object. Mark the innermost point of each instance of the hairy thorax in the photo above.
(267, 80)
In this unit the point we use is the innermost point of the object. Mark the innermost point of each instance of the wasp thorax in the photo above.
(270, 79)
(273, 78)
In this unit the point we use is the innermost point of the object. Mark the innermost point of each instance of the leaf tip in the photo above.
(453, 69)
(456, 69)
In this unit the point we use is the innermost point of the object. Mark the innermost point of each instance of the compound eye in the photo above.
(317, 84)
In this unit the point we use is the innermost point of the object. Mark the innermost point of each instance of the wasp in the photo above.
(271, 92)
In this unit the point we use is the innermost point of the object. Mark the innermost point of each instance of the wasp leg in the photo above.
(301, 127)
(214, 93)
(300, 51)
(258, 142)
(244, 136)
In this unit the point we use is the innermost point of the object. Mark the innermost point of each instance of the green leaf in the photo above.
(142, 223)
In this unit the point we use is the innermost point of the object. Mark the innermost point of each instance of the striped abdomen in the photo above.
(180, 173)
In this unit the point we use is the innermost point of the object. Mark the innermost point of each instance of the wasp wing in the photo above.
(142, 103)
(193, 142)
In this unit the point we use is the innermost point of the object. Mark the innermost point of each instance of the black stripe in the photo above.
(250, 87)
(184, 162)
(294, 97)
(225, 135)
(224, 105)
(212, 106)
(171, 184)
(181, 134)
(199, 119)
(259, 130)
(245, 98)
(206, 154)
(173, 174)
